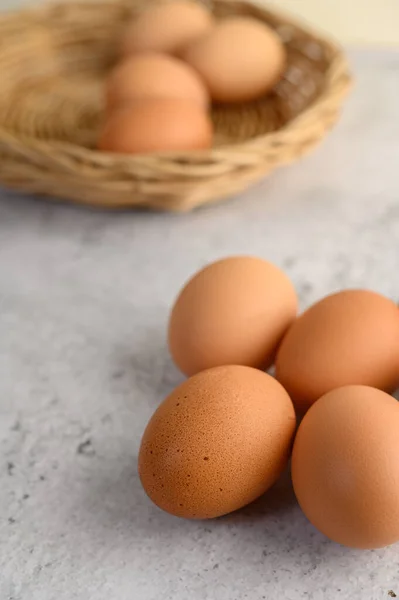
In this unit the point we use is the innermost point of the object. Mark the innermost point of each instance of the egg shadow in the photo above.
(273, 529)
(277, 516)
(115, 496)
(280, 498)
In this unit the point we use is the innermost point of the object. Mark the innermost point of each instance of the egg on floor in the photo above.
(241, 59)
(157, 126)
(351, 337)
(167, 27)
(234, 311)
(345, 467)
(217, 442)
(149, 76)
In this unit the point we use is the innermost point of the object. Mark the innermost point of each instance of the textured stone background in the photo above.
(84, 297)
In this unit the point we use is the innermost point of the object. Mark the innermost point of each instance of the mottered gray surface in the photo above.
(84, 299)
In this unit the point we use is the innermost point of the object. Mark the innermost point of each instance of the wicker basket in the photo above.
(53, 64)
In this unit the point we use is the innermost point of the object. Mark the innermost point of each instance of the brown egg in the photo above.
(217, 443)
(158, 125)
(149, 76)
(240, 60)
(345, 467)
(167, 27)
(351, 337)
(234, 311)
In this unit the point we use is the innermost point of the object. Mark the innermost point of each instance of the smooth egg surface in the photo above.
(167, 27)
(149, 76)
(241, 59)
(345, 467)
(234, 311)
(159, 125)
(351, 337)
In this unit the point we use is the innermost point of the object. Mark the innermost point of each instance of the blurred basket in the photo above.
(53, 63)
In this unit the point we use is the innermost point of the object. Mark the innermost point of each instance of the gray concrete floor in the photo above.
(84, 298)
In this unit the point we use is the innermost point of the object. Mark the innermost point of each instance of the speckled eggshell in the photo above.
(351, 337)
(234, 311)
(345, 467)
(219, 441)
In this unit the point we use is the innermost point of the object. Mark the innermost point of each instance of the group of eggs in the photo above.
(176, 60)
(224, 436)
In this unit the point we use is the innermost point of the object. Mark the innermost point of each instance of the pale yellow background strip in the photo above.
(351, 21)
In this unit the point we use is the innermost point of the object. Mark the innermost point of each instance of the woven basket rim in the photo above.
(339, 66)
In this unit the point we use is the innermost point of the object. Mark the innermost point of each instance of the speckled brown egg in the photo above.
(345, 467)
(351, 337)
(234, 311)
(218, 442)
(167, 27)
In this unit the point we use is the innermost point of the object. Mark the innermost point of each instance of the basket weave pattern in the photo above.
(53, 63)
